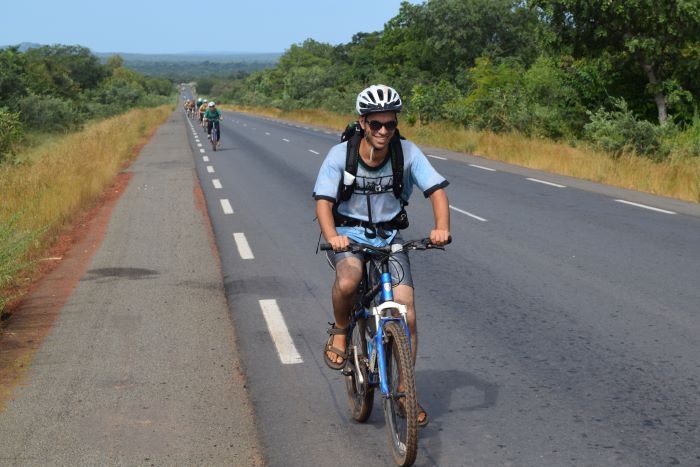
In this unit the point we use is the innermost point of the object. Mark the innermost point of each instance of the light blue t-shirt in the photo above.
(376, 186)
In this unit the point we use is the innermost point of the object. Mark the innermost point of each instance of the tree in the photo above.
(662, 39)
(12, 66)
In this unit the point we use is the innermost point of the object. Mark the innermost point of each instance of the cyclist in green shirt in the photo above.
(213, 116)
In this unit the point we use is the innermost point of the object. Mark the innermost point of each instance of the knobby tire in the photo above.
(360, 396)
(401, 408)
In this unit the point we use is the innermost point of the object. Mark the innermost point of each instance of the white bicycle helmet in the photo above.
(378, 98)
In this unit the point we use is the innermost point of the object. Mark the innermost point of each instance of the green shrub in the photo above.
(10, 133)
(619, 132)
(53, 114)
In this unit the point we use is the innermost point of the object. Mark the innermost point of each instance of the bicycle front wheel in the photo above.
(360, 394)
(400, 408)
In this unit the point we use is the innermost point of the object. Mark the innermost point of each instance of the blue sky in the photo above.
(178, 26)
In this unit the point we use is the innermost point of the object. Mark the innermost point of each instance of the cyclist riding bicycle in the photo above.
(213, 117)
(202, 109)
(374, 212)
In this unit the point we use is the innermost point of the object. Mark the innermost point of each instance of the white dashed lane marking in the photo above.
(473, 216)
(242, 244)
(280, 334)
(226, 206)
(546, 183)
(217, 183)
(482, 167)
(644, 206)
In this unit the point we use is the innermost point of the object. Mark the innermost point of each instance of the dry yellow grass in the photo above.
(675, 178)
(71, 172)
(65, 176)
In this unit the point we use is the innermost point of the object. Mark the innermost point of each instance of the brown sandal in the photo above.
(333, 331)
(425, 421)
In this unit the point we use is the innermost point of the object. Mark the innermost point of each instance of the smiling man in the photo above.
(361, 190)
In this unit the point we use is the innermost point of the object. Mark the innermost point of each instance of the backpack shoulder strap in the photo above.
(397, 163)
(353, 135)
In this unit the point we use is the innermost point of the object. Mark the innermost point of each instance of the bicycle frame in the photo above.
(381, 313)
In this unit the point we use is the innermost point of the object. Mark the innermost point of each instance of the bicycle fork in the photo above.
(383, 313)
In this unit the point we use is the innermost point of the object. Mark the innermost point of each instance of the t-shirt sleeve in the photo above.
(330, 173)
(422, 173)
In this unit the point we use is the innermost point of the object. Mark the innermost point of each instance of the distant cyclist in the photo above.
(213, 117)
(203, 108)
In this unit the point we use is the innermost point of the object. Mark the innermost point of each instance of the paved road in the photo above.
(142, 367)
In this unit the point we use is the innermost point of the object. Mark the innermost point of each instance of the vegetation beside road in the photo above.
(674, 177)
(56, 182)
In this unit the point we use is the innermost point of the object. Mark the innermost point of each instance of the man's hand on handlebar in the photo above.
(339, 243)
(440, 237)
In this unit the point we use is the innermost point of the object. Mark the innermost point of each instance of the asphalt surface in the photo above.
(141, 367)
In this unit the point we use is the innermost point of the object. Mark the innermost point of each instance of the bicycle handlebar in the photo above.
(419, 244)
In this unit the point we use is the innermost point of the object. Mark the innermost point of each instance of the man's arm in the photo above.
(441, 211)
(324, 212)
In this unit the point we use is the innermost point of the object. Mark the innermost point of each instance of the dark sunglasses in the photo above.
(376, 125)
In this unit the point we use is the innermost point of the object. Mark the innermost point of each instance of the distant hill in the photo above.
(195, 57)
(186, 66)
(189, 67)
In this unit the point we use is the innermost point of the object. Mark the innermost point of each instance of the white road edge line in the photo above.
(468, 214)
(437, 157)
(280, 334)
(226, 206)
(644, 206)
(482, 167)
(217, 183)
(314, 152)
(242, 245)
(546, 183)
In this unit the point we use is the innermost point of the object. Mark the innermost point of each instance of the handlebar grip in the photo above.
(325, 247)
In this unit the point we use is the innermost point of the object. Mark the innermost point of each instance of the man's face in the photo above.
(379, 128)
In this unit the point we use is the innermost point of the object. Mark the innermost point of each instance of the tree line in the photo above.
(58, 88)
(621, 75)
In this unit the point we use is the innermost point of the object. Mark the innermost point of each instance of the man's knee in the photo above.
(346, 285)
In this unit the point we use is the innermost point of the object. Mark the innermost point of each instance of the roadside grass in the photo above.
(677, 177)
(57, 180)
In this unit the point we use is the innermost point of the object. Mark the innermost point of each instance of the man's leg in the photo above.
(348, 273)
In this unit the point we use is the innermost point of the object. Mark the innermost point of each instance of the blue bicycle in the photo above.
(378, 350)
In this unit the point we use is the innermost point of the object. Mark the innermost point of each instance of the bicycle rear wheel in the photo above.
(400, 408)
(360, 394)
(214, 138)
